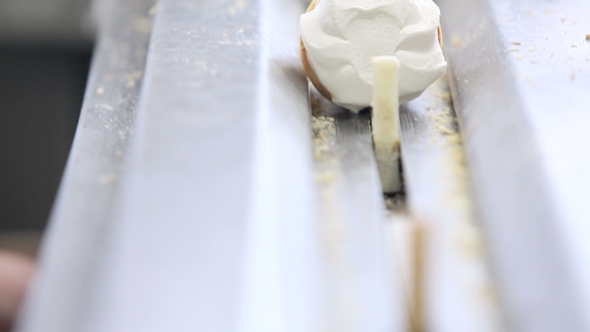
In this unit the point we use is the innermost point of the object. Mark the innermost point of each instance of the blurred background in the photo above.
(45, 53)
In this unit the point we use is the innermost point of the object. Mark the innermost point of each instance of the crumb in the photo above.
(238, 7)
(455, 139)
(444, 130)
(142, 24)
(533, 62)
(574, 75)
(446, 96)
(533, 48)
(100, 91)
(516, 43)
(588, 36)
(326, 177)
(108, 178)
(154, 10)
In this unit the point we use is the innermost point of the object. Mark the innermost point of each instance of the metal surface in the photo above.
(199, 211)
(520, 77)
(459, 294)
(192, 248)
(80, 215)
(186, 247)
(365, 295)
(210, 218)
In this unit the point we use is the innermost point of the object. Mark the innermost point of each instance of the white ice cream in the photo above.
(342, 36)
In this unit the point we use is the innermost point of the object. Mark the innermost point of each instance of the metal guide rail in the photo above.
(520, 73)
(210, 188)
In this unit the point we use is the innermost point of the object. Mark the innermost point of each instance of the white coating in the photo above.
(342, 37)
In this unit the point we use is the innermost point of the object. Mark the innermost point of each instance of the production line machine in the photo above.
(210, 187)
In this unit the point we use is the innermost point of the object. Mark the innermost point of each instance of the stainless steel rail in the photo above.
(366, 295)
(458, 290)
(80, 217)
(213, 222)
(209, 234)
(520, 78)
(189, 200)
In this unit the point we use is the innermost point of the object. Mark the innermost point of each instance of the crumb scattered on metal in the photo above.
(108, 178)
(142, 24)
(324, 140)
(154, 10)
(238, 7)
(574, 75)
(469, 242)
(326, 177)
(531, 80)
(132, 78)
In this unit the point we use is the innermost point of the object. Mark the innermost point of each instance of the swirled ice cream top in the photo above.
(342, 36)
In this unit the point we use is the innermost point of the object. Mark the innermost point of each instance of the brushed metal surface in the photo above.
(458, 288)
(199, 209)
(80, 218)
(520, 76)
(215, 221)
(364, 294)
